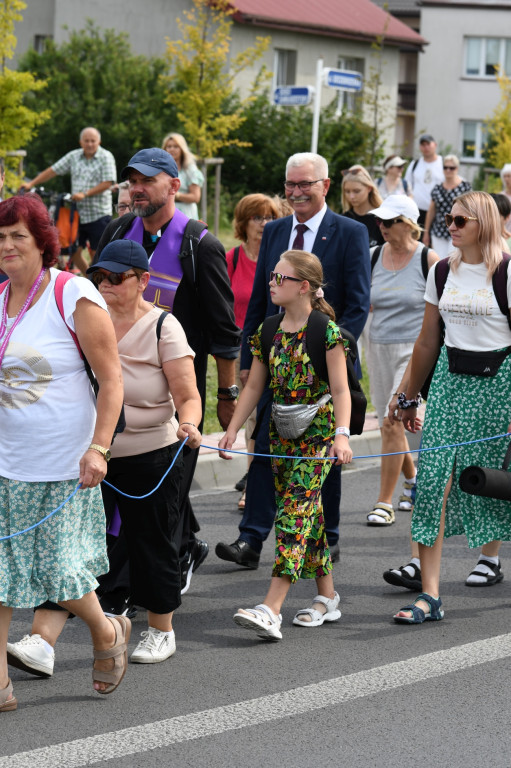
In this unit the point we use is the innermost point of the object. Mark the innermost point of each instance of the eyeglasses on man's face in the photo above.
(114, 278)
(278, 278)
(122, 207)
(304, 186)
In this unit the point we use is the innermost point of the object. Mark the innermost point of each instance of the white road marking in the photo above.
(197, 725)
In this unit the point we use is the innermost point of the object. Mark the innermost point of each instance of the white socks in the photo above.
(482, 571)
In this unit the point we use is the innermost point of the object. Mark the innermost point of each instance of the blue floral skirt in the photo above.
(462, 408)
(58, 560)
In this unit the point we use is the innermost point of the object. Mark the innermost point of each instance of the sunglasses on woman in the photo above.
(460, 221)
(114, 278)
(387, 223)
(279, 279)
(450, 167)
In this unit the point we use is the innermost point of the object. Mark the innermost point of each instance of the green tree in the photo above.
(498, 126)
(18, 123)
(95, 79)
(274, 133)
(203, 74)
(376, 103)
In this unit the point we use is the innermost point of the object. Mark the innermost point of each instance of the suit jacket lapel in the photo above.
(324, 234)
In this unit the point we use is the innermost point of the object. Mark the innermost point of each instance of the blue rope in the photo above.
(264, 455)
(159, 484)
(30, 528)
(79, 485)
(367, 456)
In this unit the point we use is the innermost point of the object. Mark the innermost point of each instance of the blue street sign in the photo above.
(293, 95)
(343, 79)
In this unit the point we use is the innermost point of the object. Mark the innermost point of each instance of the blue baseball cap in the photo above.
(121, 255)
(150, 162)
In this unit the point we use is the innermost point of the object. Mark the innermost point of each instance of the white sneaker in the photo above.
(154, 647)
(31, 654)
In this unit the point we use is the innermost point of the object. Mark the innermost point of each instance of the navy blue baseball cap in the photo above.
(121, 255)
(150, 162)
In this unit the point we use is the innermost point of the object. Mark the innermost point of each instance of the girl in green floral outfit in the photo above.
(301, 546)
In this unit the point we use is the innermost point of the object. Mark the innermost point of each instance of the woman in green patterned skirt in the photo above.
(464, 402)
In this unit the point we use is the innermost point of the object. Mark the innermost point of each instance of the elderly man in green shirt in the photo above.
(93, 173)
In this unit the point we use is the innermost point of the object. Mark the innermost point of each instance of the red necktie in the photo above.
(298, 242)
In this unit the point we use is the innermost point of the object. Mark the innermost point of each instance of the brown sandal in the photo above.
(7, 704)
(118, 652)
(241, 502)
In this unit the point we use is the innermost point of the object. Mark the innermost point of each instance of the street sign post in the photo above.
(293, 95)
(343, 79)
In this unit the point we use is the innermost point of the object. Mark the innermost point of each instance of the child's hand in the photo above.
(341, 449)
(227, 441)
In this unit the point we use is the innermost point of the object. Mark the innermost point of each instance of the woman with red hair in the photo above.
(52, 438)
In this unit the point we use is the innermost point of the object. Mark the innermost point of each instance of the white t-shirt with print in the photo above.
(469, 309)
(47, 407)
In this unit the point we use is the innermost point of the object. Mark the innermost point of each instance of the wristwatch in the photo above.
(228, 393)
(103, 451)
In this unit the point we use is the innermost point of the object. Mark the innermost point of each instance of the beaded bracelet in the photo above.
(189, 424)
(404, 404)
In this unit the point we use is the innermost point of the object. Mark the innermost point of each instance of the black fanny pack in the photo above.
(476, 363)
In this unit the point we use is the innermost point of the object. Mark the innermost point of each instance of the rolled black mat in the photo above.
(483, 481)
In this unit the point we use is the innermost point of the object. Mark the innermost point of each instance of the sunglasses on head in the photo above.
(387, 223)
(114, 278)
(460, 221)
(279, 279)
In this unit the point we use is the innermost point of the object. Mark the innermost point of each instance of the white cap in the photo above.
(394, 161)
(397, 205)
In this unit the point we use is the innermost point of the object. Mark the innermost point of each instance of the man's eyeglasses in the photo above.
(278, 279)
(450, 167)
(114, 278)
(260, 219)
(304, 186)
(387, 223)
(122, 207)
(460, 221)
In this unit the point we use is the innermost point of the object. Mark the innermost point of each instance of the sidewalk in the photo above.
(216, 474)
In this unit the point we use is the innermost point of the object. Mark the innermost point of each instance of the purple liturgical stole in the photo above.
(165, 268)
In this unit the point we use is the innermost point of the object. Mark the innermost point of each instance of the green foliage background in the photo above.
(95, 79)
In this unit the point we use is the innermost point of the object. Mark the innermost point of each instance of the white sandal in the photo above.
(262, 620)
(382, 514)
(317, 618)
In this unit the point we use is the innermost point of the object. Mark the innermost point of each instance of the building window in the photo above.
(284, 67)
(350, 101)
(40, 42)
(473, 139)
(483, 55)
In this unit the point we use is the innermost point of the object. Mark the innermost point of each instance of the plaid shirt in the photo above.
(87, 173)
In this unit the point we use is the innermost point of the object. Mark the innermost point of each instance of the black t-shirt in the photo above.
(369, 221)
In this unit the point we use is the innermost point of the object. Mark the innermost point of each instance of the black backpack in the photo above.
(499, 284)
(316, 330)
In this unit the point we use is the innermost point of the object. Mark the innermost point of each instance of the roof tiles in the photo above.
(359, 19)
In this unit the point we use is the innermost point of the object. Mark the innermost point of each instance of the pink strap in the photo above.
(60, 282)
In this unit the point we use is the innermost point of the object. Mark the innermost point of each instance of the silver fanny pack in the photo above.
(292, 420)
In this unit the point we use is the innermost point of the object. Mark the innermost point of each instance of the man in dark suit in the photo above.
(342, 245)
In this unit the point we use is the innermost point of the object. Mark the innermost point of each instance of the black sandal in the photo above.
(398, 577)
(492, 578)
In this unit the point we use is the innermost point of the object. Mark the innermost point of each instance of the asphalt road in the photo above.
(360, 692)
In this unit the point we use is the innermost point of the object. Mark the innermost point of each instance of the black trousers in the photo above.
(144, 558)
